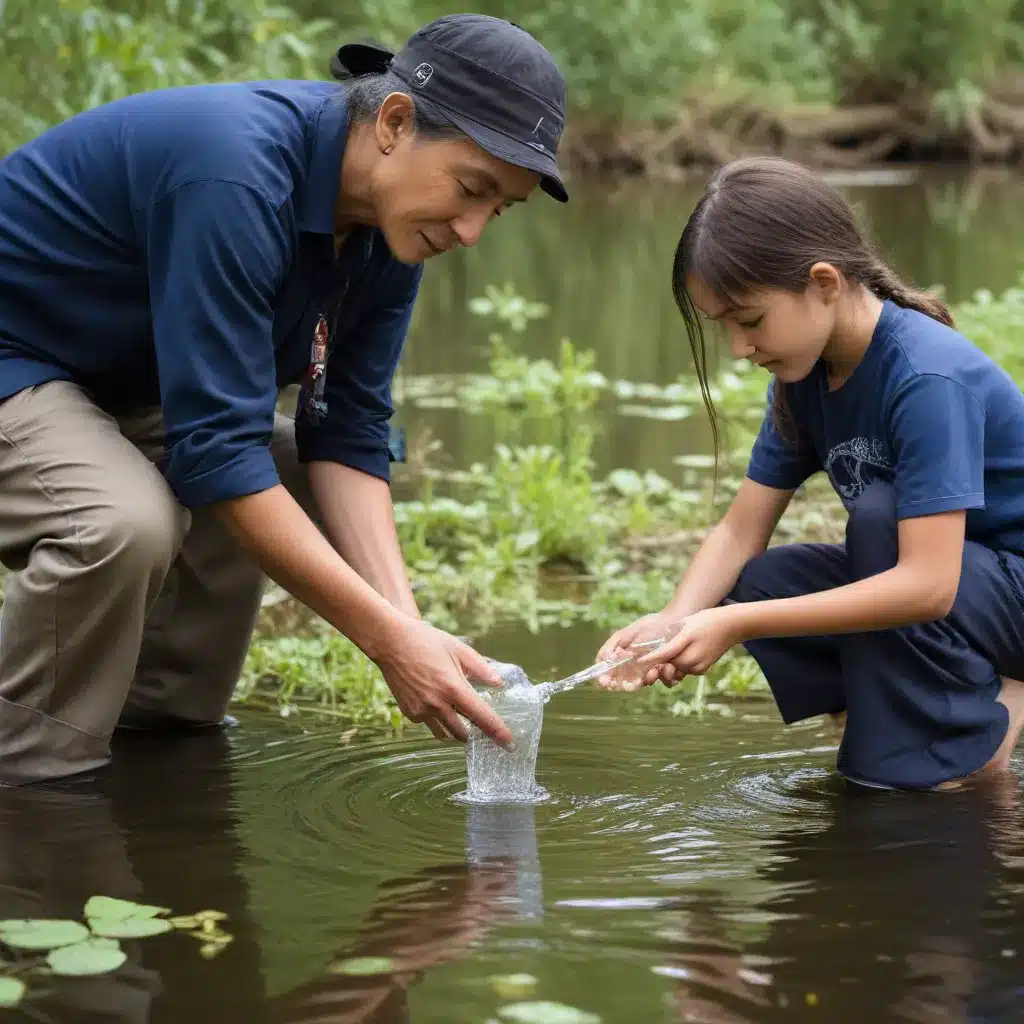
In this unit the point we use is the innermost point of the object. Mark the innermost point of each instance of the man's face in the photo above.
(431, 196)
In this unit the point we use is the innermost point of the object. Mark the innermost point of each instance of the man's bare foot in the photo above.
(1012, 695)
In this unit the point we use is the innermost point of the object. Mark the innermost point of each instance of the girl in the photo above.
(914, 627)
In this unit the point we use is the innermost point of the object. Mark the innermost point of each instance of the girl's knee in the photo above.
(762, 577)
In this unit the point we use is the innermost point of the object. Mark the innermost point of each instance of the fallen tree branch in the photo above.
(710, 133)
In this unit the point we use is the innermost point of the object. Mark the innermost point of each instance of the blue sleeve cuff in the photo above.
(371, 459)
(779, 481)
(932, 506)
(251, 471)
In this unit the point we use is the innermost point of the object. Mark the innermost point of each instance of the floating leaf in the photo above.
(208, 916)
(11, 992)
(120, 910)
(208, 950)
(513, 986)
(657, 412)
(130, 927)
(695, 461)
(365, 965)
(547, 1013)
(94, 956)
(41, 934)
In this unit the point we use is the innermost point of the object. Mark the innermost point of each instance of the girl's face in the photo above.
(785, 332)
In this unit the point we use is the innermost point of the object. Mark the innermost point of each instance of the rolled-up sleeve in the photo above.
(356, 428)
(216, 252)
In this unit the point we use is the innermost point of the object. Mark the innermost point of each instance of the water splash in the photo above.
(496, 775)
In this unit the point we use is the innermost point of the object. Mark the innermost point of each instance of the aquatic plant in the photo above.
(44, 947)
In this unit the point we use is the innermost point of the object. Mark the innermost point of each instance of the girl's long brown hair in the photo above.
(763, 222)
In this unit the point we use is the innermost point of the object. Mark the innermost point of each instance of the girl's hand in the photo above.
(658, 626)
(701, 640)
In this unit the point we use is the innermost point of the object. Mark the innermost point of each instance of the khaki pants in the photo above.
(123, 606)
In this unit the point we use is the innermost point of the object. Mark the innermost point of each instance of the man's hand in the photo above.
(426, 670)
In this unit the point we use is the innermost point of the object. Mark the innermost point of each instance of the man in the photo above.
(168, 262)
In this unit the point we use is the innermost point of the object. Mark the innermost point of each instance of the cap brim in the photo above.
(514, 152)
(355, 59)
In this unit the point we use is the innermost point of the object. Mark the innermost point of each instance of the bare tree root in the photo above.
(709, 133)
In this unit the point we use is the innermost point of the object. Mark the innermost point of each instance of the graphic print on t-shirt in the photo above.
(857, 463)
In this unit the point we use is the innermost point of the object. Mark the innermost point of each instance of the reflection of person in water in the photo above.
(159, 830)
(893, 912)
(417, 923)
(428, 919)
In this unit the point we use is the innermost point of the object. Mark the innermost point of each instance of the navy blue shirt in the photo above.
(926, 411)
(175, 248)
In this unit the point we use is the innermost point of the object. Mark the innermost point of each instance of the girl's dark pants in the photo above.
(920, 701)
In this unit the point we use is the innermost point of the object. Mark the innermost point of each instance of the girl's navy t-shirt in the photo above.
(925, 411)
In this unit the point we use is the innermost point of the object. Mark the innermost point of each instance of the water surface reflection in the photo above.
(710, 871)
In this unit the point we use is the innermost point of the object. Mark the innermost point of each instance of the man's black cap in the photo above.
(489, 77)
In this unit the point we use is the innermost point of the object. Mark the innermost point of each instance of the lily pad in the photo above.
(361, 965)
(129, 927)
(110, 909)
(547, 1013)
(11, 992)
(513, 986)
(94, 956)
(41, 934)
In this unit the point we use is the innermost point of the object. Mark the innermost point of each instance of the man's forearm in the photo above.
(359, 518)
(289, 548)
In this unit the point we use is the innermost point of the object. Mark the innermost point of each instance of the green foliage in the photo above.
(623, 62)
(59, 57)
(948, 48)
(996, 323)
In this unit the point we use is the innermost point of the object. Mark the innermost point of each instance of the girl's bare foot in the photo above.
(1012, 695)
(837, 725)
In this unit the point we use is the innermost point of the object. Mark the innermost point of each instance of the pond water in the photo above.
(602, 263)
(683, 869)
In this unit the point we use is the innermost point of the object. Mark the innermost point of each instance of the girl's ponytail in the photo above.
(887, 285)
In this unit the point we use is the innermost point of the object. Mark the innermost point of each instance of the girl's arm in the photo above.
(921, 587)
(742, 534)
